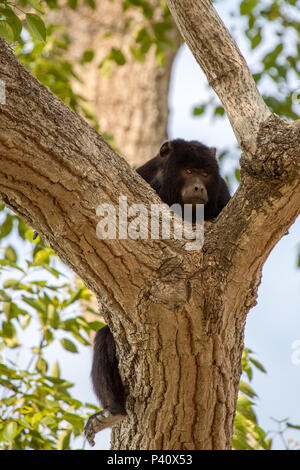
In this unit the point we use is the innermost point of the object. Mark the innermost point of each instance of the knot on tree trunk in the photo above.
(277, 155)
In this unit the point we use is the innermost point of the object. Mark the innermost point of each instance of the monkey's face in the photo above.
(188, 173)
(194, 184)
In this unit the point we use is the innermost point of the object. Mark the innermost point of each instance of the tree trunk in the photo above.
(132, 103)
(178, 317)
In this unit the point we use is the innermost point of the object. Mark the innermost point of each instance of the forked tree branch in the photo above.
(55, 171)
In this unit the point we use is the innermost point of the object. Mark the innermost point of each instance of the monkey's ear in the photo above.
(165, 149)
(213, 151)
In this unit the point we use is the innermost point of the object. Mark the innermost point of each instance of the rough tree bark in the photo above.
(178, 317)
(135, 115)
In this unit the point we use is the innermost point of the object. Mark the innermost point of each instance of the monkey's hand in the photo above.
(98, 421)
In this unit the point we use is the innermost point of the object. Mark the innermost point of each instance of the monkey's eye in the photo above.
(188, 171)
(204, 173)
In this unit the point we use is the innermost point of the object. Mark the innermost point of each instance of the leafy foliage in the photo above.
(276, 62)
(11, 24)
(37, 409)
(151, 32)
(248, 435)
(49, 63)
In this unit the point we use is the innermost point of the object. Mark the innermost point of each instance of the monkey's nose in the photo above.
(199, 188)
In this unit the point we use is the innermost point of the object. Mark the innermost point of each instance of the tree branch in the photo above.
(225, 68)
(55, 171)
(268, 199)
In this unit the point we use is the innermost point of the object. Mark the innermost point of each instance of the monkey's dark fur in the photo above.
(182, 172)
(105, 374)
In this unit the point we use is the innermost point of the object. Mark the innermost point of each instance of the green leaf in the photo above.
(5, 262)
(13, 21)
(4, 297)
(69, 345)
(52, 4)
(219, 111)
(41, 365)
(73, 419)
(244, 402)
(137, 53)
(87, 56)
(6, 11)
(293, 426)
(95, 325)
(247, 6)
(270, 59)
(7, 225)
(36, 4)
(7, 309)
(55, 371)
(142, 36)
(15, 311)
(75, 296)
(53, 316)
(91, 3)
(10, 254)
(63, 442)
(198, 110)
(6, 31)
(8, 330)
(22, 228)
(53, 271)
(256, 39)
(117, 56)
(160, 55)
(10, 283)
(246, 389)
(73, 4)
(237, 174)
(42, 256)
(25, 321)
(10, 431)
(258, 365)
(36, 26)
(38, 303)
(105, 68)
(245, 409)
(58, 381)
(239, 442)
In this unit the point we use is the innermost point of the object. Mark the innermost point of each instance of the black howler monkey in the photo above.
(185, 173)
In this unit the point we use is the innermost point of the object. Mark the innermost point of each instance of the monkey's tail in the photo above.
(106, 379)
